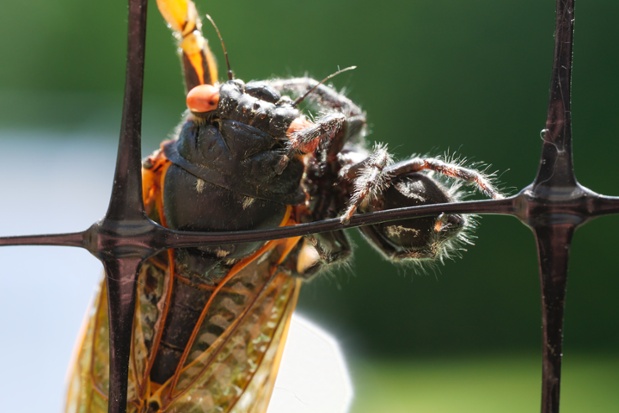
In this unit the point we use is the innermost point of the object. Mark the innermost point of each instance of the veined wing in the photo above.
(228, 365)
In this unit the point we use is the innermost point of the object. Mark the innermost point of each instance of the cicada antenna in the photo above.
(331, 76)
(223, 46)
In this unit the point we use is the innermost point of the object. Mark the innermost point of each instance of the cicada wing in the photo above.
(258, 393)
(198, 61)
(235, 371)
(88, 383)
(89, 377)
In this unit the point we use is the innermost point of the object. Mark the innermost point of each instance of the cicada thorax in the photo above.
(225, 165)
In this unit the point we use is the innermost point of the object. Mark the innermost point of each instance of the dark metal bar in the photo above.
(125, 209)
(177, 239)
(145, 235)
(73, 239)
(556, 166)
(121, 296)
(553, 266)
(557, 206)
(127, 188)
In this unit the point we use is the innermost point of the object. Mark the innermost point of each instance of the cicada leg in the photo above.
(199, 65)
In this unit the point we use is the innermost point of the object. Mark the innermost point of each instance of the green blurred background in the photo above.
(433, 75)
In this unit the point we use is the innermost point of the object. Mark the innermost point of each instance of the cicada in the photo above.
(211, 322)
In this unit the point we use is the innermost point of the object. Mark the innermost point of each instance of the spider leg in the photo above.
(306, 137)
(451, 170)
(370, 178)
(323, 96)
(316, 252)
(327, 99)
(374, 175)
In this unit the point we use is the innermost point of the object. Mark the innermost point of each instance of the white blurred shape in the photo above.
(313, 377)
